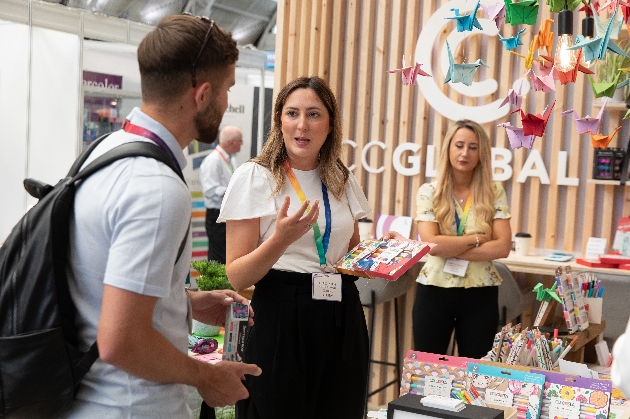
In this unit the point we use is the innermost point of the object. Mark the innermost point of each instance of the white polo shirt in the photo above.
(128, 223)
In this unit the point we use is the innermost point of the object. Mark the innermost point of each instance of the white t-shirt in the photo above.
(620, 372)
(249, 195)
(128, 223)
(215, 174)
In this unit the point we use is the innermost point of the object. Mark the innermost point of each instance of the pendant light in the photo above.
(565, 59)
(588, 32)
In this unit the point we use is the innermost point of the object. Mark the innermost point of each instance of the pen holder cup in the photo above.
(594, 309)
(508, 412)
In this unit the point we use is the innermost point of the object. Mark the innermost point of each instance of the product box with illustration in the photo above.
(236, 329)
(387, 259)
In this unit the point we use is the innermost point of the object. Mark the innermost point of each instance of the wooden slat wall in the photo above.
(351, 43)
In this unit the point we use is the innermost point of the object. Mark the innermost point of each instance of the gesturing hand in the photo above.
(291, 227)
(223, 384)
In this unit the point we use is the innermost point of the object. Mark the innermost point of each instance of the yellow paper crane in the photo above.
(529, 58)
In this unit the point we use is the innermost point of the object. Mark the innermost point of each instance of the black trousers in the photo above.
(313, 354)
(216, 236)
(472, 312)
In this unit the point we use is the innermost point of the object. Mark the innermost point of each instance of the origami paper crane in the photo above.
(535, 124)
(596, 48)
(529, 58)
(604, 88)
(512, 42)
(513, 98)
(523, 12)
(601, 140)
(556, 6)
(542, 83)
(466, 22)
(602, 24)
(544, 68)
(546, 294)
(516, 136)
(409, 74)
(588, 123)
(545, 36)
(496, 12)
(611, 4)
(569, 76)
(461, 73)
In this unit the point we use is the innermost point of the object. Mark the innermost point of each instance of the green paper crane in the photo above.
(604, 88)
(546, 294)
(523, 12)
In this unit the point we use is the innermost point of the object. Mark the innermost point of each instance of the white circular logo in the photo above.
(431, 91)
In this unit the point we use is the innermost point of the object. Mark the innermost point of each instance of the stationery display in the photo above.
(573, 397)
(387, 259)
(426, 373)
(236, 328)
(410, 406)
(521, 390)
(528, 348)
(573, 309)
(545, 296)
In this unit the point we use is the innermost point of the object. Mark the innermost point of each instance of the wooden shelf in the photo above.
(606, 182)
(611, 105)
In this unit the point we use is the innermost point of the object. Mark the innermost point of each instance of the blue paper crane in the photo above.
(595, 49)
(466, 22)
(461, 73)
(513, 42)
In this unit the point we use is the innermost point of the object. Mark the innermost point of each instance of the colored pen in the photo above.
(565, 352)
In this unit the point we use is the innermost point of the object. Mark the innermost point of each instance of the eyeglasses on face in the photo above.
(203, 45)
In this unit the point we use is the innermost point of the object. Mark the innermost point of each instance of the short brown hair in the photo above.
(167, 53)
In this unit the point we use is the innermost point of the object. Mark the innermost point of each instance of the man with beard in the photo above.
(215, 172)
(126, 275)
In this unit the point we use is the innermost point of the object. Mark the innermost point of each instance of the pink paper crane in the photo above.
(535, 124)
(495, 12)
(516, 136)
(588, 123)
(409, 74)
(513, 98)
(542, 83)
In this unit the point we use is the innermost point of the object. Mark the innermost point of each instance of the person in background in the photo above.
(129, 220)
(215, 172)
(466, 215)
(620, 371)
(291, 213)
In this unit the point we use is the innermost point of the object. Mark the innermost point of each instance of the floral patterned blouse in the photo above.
(478, 273)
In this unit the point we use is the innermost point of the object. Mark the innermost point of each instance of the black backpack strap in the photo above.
(133, 149)
(84, 155)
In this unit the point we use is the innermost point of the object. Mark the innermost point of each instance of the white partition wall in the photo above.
(14, 53)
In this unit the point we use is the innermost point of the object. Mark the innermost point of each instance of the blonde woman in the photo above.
(467, 216)
(312, 348)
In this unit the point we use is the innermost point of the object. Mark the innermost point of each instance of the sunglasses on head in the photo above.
(203, 45)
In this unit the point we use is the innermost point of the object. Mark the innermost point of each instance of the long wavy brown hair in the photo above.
(333, 172)
(481, 186)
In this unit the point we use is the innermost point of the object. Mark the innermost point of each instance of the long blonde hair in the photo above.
(482, 186)
(333, 172)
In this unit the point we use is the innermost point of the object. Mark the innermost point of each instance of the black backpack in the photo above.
(40, 365)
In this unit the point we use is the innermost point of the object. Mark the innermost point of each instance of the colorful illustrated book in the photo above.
(426, 373)
(387, 259)
(571, 396)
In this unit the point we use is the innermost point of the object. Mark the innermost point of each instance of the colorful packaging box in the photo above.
(573, 397)
(521, 390)
(426, 373)
(236, 328)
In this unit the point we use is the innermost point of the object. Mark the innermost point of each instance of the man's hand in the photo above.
(223, 384)
(209, 307)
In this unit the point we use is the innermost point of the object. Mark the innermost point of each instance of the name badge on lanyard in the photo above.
(326, 286)
(455, 266)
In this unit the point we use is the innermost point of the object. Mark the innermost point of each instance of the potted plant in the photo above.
(212, 277)
(607, 69)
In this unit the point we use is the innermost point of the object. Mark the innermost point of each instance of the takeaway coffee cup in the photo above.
(365, 228)
(521, 243)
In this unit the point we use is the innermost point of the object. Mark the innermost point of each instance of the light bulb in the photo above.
(565, 59)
